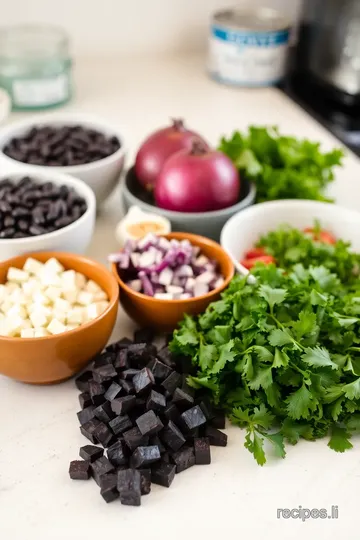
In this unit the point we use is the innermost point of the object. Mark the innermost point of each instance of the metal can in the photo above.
(248, 47)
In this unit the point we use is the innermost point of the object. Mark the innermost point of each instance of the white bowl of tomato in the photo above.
(246, 235)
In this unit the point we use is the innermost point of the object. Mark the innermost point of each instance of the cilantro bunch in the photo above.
(281, 167)
(281, 356)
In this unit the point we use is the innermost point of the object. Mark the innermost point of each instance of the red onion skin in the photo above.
(158, 147)
(191, 182)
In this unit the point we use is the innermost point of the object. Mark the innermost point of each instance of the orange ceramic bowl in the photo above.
(164, 315)
(55, 358)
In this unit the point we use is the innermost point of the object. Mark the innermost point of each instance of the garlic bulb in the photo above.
(137, 224)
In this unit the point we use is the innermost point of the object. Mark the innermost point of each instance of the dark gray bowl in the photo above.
(205, 223)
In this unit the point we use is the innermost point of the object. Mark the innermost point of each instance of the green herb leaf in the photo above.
(278, 338)
(262, 379)
(300, 403)
(207, 355)
(317, 357)
(272, 296)
(226, 355)
(340, 439)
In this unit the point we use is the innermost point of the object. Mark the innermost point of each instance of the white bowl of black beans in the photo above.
(41, 211)
(75, 144)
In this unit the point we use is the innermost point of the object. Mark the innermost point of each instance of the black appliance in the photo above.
(324, 67)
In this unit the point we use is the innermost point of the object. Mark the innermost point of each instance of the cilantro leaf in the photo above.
(305, 325)
(255, 444)
(281, 359)
(352, 390)
(300, 403)
(272, 296)
(262, 417)
(226, 355)
(339, 439)
(262, 379)
(282, 167)
(207, 355)
(277, 440)
(293, 431)
(317, 357)
(278, 338)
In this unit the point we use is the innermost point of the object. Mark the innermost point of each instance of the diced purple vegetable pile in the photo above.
(136, 404)
(167, 269)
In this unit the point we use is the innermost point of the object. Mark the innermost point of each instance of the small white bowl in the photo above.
(244, 229)
(102, 175)
(74, 238)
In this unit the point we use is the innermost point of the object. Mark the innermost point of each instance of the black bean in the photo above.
(9, 221)
(5, 207)
(36, 230)
(64, 146)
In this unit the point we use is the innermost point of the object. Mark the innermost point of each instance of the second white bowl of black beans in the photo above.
(75, 144)
(44, 211)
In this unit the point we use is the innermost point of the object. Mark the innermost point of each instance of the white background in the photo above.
(126, 27)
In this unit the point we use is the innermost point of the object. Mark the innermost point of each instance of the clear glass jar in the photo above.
(35, 66)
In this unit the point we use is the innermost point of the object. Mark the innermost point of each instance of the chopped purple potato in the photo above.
(96, 392)
(145, 481)
(82, 381)
(159, 370)
(177, 271)
(134, 438)
(121, 360)
(149, 423)
(183, 459)
(79, 470)
(193, 418)
(128, 374)
(172, 436)
(104, 413)
(182, 398)
(99, 468)
(108, 484)
(216, 437)
(163, 474)
(120, 424)
(91, 453)
(219, 420)
(103, 434)
(144, 456)
(123, 405)
(88, 430)
(143, 380)
(136, 403)
(202, 451)
(113, 391)
(86, 414)
(85, 400)
(129, 487)
(117, 454)
(156, 401)
(172, 382)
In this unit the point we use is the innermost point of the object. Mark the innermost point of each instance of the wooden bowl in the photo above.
(164, 315)
(55, 358)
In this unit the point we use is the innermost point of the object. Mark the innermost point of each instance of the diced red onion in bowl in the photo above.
(167, 269)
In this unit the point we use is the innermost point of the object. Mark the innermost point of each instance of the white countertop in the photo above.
(39, 433)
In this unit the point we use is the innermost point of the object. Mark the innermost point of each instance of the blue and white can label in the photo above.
(247, 57)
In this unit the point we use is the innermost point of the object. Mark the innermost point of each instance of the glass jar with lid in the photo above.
(35, 66)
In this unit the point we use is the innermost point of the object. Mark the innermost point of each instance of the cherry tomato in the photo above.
(255, 252)
(250, 263)
(321, 236)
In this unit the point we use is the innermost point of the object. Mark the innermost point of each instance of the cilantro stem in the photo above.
(282, 327)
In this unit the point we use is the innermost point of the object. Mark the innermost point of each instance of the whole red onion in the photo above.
(199, 180)
(157, 148)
